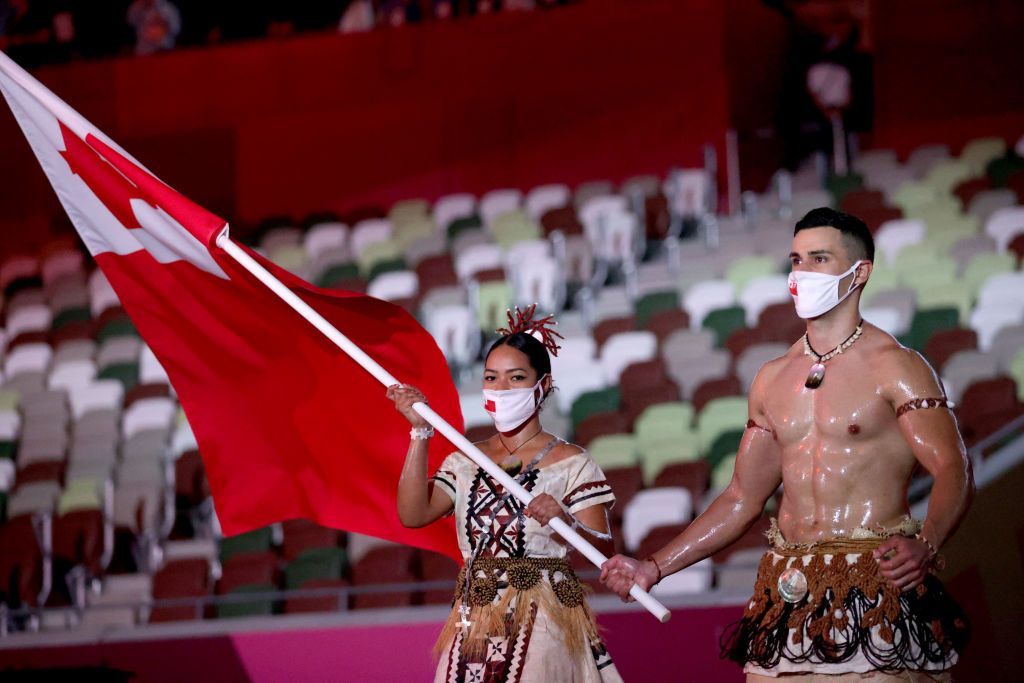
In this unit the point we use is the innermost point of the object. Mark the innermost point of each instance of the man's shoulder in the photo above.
(896, 365)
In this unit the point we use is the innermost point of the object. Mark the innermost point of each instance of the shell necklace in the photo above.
(817, 374)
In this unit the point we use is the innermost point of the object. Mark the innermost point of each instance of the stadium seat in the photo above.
(624, 349)
(381, 567)
(600, 424)
(724, 321)
(694, 475)
(496, 202)
(706, 296)
(438, 568)
(965, 368)
(256, 541)
(945, 343)
(613, 451)
(653, 508)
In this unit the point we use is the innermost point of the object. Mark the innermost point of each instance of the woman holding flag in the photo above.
(519, 611)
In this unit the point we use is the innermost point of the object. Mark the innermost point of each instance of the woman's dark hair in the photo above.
(540, 361)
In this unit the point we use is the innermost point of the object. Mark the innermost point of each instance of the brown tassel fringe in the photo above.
(920, 627)
(500, 609)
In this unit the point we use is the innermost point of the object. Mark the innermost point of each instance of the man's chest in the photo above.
(847, 404)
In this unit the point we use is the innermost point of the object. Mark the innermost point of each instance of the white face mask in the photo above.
(816, 294)
(509, 408)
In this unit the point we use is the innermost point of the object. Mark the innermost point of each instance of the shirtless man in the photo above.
(840, 421)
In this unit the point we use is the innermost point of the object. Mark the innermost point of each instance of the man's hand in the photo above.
(904, 561)
(621, 572)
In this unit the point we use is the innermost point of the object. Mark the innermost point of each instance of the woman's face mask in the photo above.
(816, 294)
(510, 408)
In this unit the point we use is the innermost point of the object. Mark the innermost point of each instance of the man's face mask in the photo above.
(510, 408)
(816, 294)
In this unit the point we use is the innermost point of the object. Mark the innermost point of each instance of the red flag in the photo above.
(287, 424)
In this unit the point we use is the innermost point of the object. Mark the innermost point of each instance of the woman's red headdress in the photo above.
(522, 321)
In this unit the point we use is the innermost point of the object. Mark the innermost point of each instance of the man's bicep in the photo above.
(758, 471)
(924, 414)
(934, 438)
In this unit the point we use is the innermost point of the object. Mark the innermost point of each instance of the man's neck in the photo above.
(832, 329)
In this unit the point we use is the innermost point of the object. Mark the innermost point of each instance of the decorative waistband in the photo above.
(521, 573)
(859, 541)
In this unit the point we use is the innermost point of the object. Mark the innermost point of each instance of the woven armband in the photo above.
(924, 403)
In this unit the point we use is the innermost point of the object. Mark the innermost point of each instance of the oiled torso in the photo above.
(845, 463)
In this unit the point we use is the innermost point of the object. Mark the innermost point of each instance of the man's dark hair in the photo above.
(856, 236)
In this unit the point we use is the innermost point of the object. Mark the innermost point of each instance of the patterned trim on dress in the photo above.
(438, 478)
(575, 496)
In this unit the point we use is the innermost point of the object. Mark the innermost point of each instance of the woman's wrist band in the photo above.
(421, 433)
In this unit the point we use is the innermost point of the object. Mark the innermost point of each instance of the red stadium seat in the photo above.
(381, 566)
(247, 569)
(21, 563)
(664, 323)
(302, 534)
(944, 343)
(694, 475)
(437, 567)
(186, 578)
(600, 424)
(715, 388)
(606, 328)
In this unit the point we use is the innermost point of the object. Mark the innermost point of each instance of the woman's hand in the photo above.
(545, 508)
(404, 396)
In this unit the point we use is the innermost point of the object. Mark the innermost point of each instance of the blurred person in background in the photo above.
(26, 31)
(827, 70)
(156, 23)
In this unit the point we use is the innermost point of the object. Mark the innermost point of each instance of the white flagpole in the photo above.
(428, 413)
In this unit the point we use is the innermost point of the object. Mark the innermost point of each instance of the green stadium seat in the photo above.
(719, 416)
(841, 185)
(725, 321)
(386, 266)
(125, 373)
(928, 321)
(384, 250)
(255, 541)
(249, 608)
(982, 266)
(726, 444)
(118, 327)
(336, 273)
(653, 303)
(747, 268)
(659, 454)
(613, 450)
(594, 402)
(722, 474)
(493, 301)
(460, 225)
(70, 315)
(315, 564)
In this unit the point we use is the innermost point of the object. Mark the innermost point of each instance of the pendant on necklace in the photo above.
(511, 465)
(816, 376)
